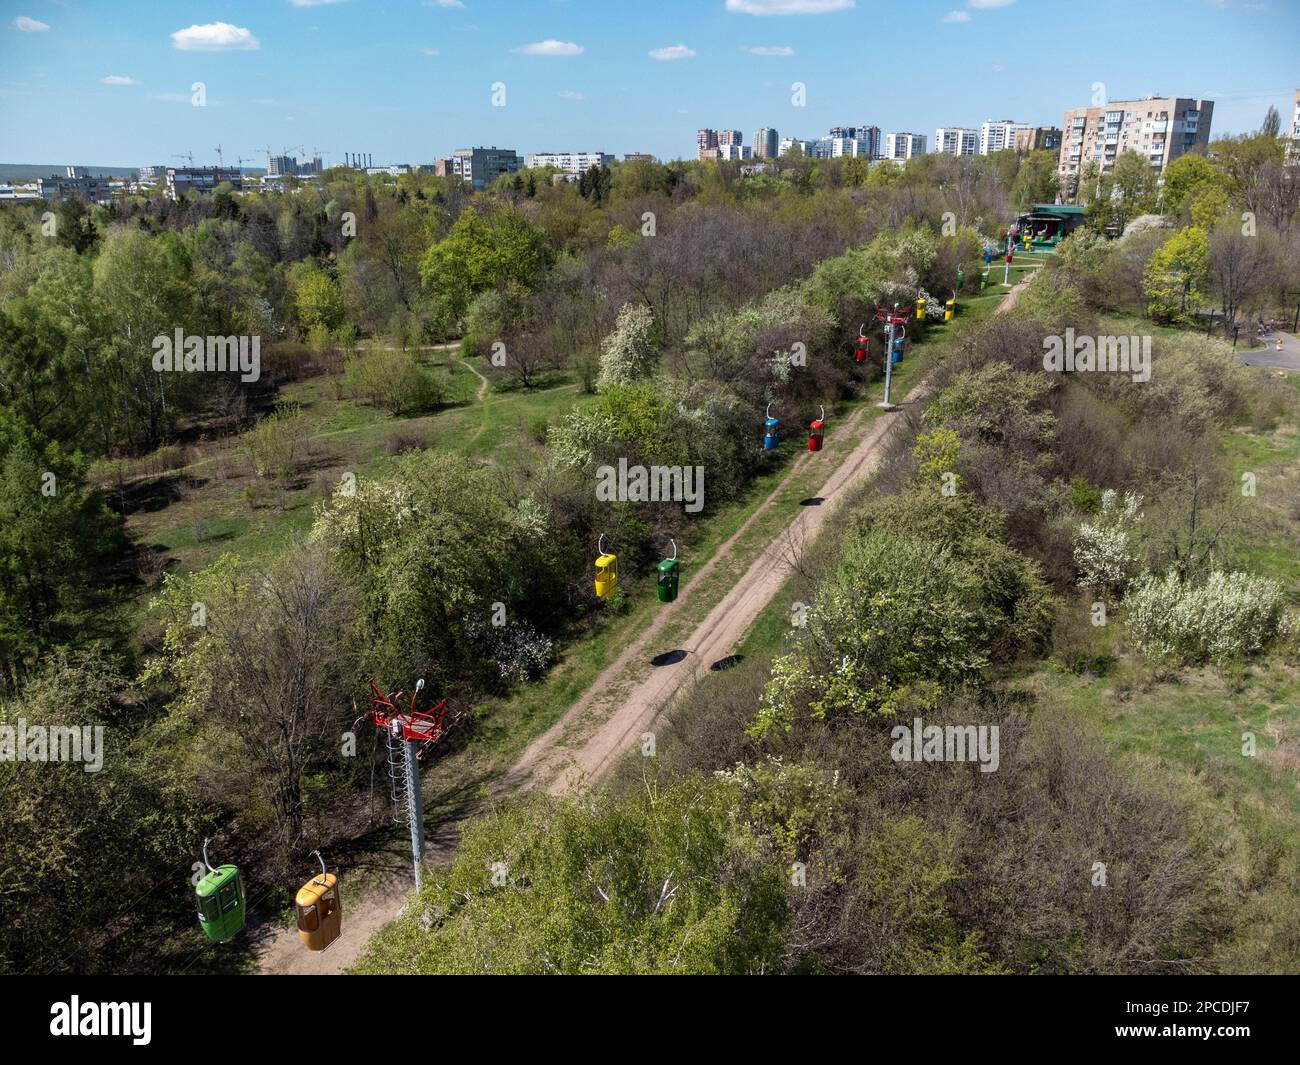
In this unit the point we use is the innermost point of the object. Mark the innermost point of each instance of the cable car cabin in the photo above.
(771, 433)
(668, 576)
(896, 354)
(816, 433)
(221, 903)
(606, 575)
(949, 309)
(920, 309)
(860, 355)
(320, 911)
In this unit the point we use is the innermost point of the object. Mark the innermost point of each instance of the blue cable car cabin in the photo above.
(771, 431)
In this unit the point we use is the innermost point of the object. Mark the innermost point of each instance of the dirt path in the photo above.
(586, 743)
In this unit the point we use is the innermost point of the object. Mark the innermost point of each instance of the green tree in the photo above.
(483, 251)
(1037, 181)
(1175, 277)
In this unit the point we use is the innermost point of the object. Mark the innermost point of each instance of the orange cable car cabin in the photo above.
(320, 909)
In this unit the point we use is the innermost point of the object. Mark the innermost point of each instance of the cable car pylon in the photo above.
(406, 732)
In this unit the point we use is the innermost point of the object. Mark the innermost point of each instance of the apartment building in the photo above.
(1037, 139)
(789, 144)
(186, 179)
(75, 182)
(569, 162)
(1159, 128)
(732, 153)
(708, 141)
(1293, 149)
(482, 166)
(766, 143)
(903, 146)
(999, 135)
(867, 136)
(955, 140)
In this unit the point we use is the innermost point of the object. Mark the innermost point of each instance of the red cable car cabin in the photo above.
(861, 354)
(816, 432)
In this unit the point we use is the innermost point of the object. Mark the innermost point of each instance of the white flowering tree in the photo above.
(1104, 550)
(628, 353)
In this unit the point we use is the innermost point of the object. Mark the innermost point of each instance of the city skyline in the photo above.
(412, 82)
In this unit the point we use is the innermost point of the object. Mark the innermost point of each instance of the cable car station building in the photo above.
(1047, 224)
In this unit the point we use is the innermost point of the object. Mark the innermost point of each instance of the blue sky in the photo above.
(409, 81)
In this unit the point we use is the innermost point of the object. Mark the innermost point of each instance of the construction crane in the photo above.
(187, 155)
(221, 162)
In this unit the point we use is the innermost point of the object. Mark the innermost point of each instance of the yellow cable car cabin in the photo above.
(320, 911)
(606, 575)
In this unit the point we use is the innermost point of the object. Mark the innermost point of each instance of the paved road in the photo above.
(1288, 358)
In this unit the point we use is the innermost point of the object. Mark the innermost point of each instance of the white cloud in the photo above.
(550, 48)
(673, 51)
(983, 4)
(787, 7)
(442, 3)
(569, 94)
(215, 37)
(30, 25)
(315, 3)
(776, 50)
(956, 16)
(119, 79)
(430, 51)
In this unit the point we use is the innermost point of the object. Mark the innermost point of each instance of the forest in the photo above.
(212, 569)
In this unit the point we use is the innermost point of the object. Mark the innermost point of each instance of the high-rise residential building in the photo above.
(734, 152)
(705, 139)
(956, 140)
(837, 147)
(789, 144)
(730, 136)
(1293, 149)
(482, 166)
(999, 135)
(570, 162)
(868, 135)
(903, 146)
(1037, 138)
(184, 179)
(766, 143)
(1159, 128)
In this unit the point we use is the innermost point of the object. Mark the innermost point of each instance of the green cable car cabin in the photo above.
(668, 577)
(221, 902)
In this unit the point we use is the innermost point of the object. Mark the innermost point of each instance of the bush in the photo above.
(275, 446)
(393, 380)
(1230, 616)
